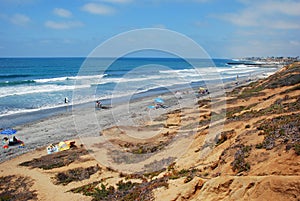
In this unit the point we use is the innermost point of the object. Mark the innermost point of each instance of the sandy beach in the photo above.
(168, 152)
(80, 122)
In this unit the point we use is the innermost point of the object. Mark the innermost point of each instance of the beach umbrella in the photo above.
(159, 100)
(8, 131)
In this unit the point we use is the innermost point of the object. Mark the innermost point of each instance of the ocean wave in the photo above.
(19, 111)
(216, 72)
(60, 79)
(191, 72)
(244, 66)
(12, 83)
(26, 110)
(239, 72)
(176, 77)
(73, 101)
(22, 90)
(177, 71)
(83, 98)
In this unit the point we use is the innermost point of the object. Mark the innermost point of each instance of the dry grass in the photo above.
(56, 160)
(77, 174)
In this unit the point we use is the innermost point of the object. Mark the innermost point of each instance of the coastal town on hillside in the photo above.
(272, 60)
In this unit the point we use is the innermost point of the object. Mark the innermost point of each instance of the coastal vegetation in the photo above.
(14, 187)
(59, 159)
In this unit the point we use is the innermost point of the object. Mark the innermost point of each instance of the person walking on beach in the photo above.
(67, 102)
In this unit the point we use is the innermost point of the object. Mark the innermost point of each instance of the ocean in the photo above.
(38, 86)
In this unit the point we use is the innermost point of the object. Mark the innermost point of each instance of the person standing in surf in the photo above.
(67, 102)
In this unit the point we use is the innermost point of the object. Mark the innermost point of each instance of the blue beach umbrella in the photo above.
(159, 100)
(8, 131)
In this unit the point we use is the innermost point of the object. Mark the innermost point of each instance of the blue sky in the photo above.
(224, 28)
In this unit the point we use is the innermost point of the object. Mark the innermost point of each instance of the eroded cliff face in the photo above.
(256, 156)
(250, 188)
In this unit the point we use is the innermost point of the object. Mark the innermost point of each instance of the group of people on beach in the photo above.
(6, 142)
(203, 91)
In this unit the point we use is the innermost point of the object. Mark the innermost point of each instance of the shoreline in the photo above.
(28, 117)
(62, 126)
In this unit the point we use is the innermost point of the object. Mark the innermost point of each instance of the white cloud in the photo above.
(62, 12)
(295, 43)
(63, 25)
(257, 47)
(20, 19)
(280, 24)
(271, 14)
(98, 9)
(245, 18)
(287, 7)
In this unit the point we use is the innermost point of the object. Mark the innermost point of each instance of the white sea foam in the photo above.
(60, 79)
(22, 90)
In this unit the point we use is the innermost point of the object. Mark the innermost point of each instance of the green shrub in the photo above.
(239, 164)
(76, 174)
